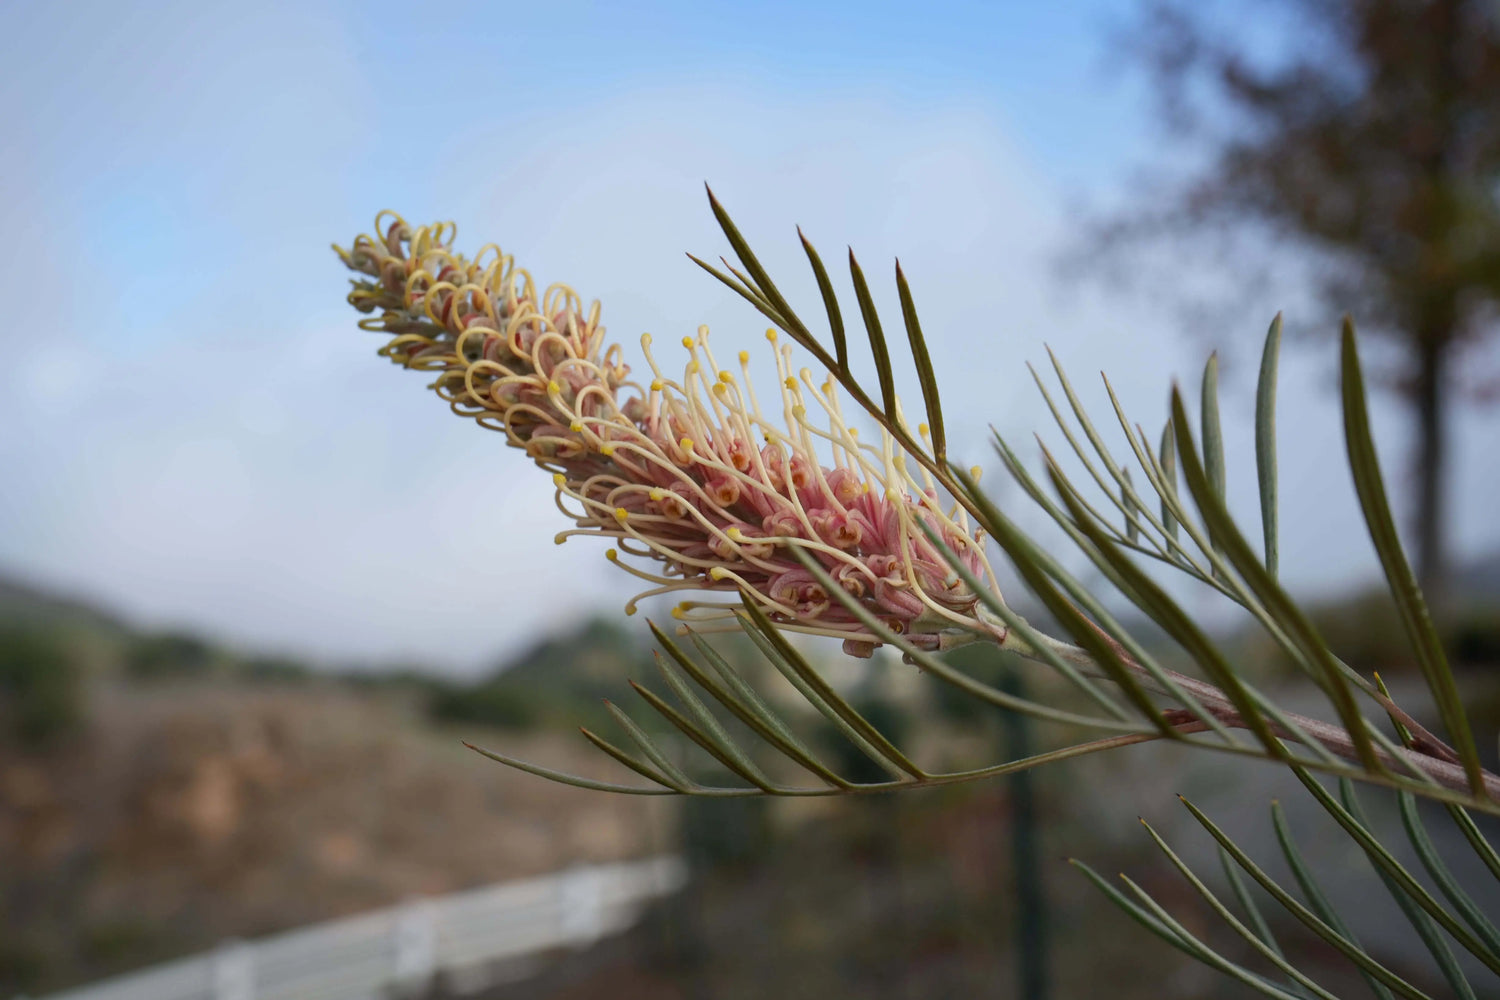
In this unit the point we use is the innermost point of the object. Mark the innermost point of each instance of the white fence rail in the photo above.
(400, 951)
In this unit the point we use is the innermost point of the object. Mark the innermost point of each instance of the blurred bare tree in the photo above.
(1365, 136)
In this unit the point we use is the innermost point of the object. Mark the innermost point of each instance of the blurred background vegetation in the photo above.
(164, 792)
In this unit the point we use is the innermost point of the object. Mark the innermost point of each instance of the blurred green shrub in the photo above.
(168, 654)
(41, 694)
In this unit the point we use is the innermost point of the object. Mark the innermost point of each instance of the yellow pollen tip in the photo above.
(744, 357)
(692, 368)
(726, 378)
(621, 513)
(854, 432)
(922, 429)
(798, 412)
(657, 494)
(687, 342)
(656, 385)
(606, 450)
(686, 444)
(559, 538)
(976, 472)
(559, 480)
(645, 340)
(717, 573)
(891, 496)
(735, 535)
(611, 554)
(720, 389)
(679, 612)
(576, 426)
(554, 387)
(771, 336)
(790, 382)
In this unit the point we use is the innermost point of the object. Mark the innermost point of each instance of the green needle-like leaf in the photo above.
(926, 377)
(1168, 460)
(830, 303)
(639, 767)
(1247, 903)
(1258, 942)
(723, 755)
(825, 698)
(564, 778)
(1281, 607)
(1387, 865)
(1213, 436)
(1433, 862)
(658, 757)
(1403, 583)
(1265, 443)
(1314, 893)
(878, 347)
(1437, 947)
(1211, 957)
(1309, 919)
(711, 727)
(757, 719)
(1476, 839)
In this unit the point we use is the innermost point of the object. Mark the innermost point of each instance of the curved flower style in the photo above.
(689, 473)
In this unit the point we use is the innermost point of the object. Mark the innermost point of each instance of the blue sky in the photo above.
(196, 433)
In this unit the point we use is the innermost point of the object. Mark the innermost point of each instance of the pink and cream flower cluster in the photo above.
(689, 476)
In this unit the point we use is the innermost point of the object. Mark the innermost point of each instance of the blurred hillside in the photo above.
(159, 793)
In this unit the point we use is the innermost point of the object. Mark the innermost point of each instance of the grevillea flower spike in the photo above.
(690, 477)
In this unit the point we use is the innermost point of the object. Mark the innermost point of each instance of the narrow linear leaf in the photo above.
(1368, 483)
(1314, 893)
(878, 345)
(830, 303)
(925, 374)
(564, 778)
(1168, 460)
(886, 752)
(1214, 958)
(1387, 865)
(743, 711)
(763, 711)
(1132, 526)
(1192, 947)
(1437, 947)
(655, 754)
(1476, 838)
(692, 732)
(1265, 444)
(1020, 550)
(1247, 903)
(1446, 883)
(1281, 607)
(639, 767)
(794, 678)
(1154, 601)
(998, 525)
(711, 725)
(937, 668)
(1258, 942)
(1018, 625)
(1213, 436)
(764, 285)
(1309, 919)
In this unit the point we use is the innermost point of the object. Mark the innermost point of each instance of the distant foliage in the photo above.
(41, 697)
